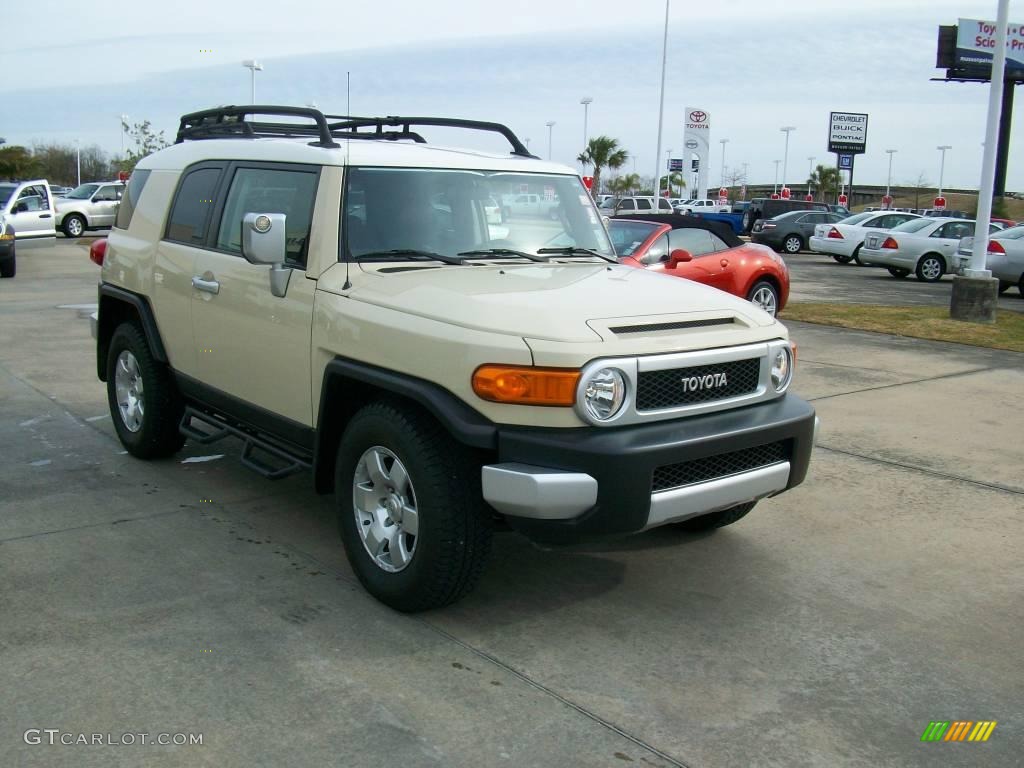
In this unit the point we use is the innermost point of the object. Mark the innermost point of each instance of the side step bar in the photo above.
(285, 462)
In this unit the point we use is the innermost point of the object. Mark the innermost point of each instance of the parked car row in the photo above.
(34, 210)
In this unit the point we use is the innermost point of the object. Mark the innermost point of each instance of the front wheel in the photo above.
(765, 296)
(931, 268)
(410, 508)
(144, 403)
(793, 244)
(716, 519)
(73, 226)
(898, 272)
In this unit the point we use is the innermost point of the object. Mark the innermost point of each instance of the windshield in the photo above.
(914, 225)
(83, 192)
(857, 218)
(6, 190)
(444, 212)
(627, 236)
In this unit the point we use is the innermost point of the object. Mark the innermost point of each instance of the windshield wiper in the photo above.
(572, 250)
(412, 254)
(503, 252)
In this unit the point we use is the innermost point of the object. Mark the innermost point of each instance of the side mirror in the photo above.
(679, 256)
(263, 242)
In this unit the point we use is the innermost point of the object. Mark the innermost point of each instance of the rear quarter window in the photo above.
(130, 198)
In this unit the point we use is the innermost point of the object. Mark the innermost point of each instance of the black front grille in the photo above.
(675, 387)
(713, 467)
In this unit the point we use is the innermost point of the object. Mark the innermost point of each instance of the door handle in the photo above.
(724, 262)
(207, 286)
(45, 215)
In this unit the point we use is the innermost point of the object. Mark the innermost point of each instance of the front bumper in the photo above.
(567, 485)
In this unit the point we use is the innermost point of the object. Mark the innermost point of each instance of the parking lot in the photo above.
(827, 628)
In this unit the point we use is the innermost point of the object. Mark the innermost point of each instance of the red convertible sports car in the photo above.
(705, 251)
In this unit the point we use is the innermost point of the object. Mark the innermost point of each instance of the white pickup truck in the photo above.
(704, 206)
(28, 209)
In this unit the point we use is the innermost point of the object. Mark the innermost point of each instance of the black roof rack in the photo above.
(232, 122)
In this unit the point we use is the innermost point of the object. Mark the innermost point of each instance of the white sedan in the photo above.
(1005, 257)
(843, 240)
(925, 246)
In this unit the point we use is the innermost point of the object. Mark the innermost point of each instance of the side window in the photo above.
(693, 239)
(657, 252)
(191, 212)
(643, 205)
(107, 194)
(265, 190)
(664, 205)
(128, 202)
(627, 205)
(717, 243)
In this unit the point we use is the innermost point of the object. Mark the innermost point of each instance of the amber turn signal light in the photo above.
(525, 385)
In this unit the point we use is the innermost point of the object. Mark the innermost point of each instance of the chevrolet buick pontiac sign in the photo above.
(848, 132)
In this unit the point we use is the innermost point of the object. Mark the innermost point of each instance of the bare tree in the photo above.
(920, 183)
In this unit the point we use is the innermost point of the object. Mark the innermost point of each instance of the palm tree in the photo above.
(602, 152)
(825, 180)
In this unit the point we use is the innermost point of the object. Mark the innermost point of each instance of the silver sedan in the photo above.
(1005, 257)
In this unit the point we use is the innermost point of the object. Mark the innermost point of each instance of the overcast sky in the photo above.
(754, 65)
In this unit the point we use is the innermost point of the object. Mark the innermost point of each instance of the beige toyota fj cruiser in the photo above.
(333, 292)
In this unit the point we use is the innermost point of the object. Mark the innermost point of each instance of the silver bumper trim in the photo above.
(701, 498)
(523, 490)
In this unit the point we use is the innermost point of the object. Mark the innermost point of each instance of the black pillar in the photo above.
(1003, 142)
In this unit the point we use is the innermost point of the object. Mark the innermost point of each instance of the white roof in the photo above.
(366, 152)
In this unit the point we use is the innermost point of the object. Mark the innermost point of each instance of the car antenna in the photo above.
(348, 150)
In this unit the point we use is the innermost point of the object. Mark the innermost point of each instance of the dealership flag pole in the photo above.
(988, 166)
(661, 107)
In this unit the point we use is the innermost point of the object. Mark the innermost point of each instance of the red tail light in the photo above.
(98, 250)
(890, 243)
(835, 234)
(994, 246)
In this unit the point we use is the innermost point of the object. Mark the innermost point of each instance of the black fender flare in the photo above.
(109, 295)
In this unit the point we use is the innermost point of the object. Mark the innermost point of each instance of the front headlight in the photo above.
(782, 368)
(604, 392)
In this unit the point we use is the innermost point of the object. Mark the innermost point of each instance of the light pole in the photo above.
(586, 101)
(810, 172)
(661, 100)
(551, 125)
(745, 181)
(942, 164)
(775, 190)
(785, 156)
(124, 127)
(254, 66)
(723, 142)
(888, 181)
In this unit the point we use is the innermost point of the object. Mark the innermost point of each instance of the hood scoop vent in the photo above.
(621, 330)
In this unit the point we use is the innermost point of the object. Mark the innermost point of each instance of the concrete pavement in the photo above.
(825, 629)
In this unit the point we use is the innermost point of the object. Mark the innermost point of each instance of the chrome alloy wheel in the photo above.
(931, 268)
(384, 503)
(128, 386)
(764, 297)
(75, 227)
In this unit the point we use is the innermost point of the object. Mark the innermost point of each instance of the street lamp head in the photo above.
(550, 123)
(253, 65)
(945, 146)
(723, 141)
(787, 128)
(587, 100)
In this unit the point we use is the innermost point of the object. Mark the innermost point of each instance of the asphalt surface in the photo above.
(817, 277)
(828, 628)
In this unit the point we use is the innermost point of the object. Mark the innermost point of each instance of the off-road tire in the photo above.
(716, 519)
(158, 435)
(455, 525)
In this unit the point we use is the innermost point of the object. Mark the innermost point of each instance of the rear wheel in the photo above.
(793, 244)
(9, 267)
(855, 258)
(930, 268)
(410, 508)
(842, 259)
(716, 519)
(764, 295)
(898, 272)
(1004, 286)
(144, 403)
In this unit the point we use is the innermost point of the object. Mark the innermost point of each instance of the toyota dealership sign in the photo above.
(696, 139)
(848, 132)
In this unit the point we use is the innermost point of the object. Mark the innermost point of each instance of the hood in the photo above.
(558, 302)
